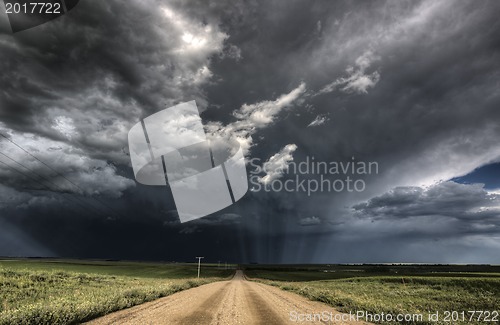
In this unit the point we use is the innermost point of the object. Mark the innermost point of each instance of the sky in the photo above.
(410, 88)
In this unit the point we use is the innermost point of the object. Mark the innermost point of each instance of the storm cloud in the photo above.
(411, 85)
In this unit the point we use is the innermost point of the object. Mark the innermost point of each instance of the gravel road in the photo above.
(236, 301)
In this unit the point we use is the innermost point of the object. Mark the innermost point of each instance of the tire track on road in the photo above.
(237, 301)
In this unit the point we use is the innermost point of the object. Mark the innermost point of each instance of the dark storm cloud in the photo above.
(412, 85)
(93, 67)
(420, 95)
(406, 84)
(78, 83)
(443, 108)
(71, 89)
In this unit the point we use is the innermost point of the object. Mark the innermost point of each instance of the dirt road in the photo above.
(237, 301)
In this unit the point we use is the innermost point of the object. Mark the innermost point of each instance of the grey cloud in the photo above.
(216, 220)
(277, 164)
(93, 176)
(310, 221)
(189, 230)
(232, 52)
(445, 120)
(319, 120)
(357, 80)
(10, 197)
(219, 219)
(252, 117)
(470, 202)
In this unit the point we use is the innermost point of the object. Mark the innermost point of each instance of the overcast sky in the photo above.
(413, 86)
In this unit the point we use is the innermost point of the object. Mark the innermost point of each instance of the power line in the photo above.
(57, 173)
(82, 205)
(54, 184)
(26, 175)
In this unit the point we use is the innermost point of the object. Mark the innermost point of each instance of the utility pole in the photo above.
(199, 264)
(218, 266)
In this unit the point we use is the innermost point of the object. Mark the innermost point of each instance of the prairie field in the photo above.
(69, 292)
(73, 291)
(395, 290)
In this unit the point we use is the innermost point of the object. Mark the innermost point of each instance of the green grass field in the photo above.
(69, 292)
(394, 290)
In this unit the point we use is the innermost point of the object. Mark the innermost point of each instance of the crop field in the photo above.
(405, 290)
(69, 292)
